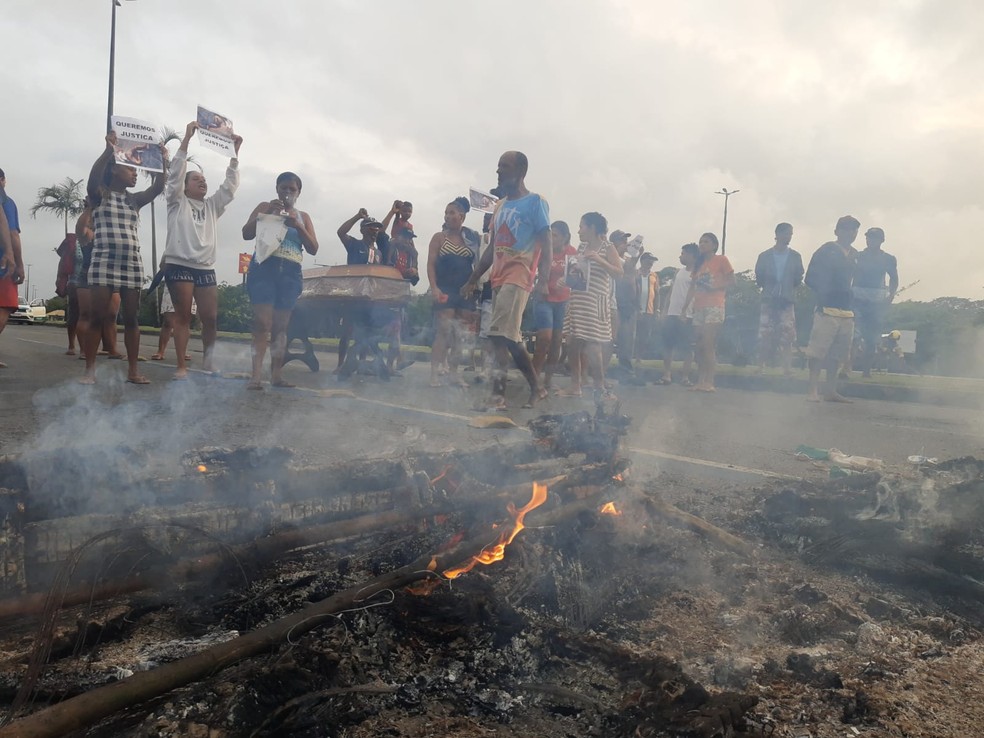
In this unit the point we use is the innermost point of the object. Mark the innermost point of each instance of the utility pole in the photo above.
(27, 286)
(724, 228)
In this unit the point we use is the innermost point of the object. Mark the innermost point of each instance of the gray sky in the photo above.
(636, 108)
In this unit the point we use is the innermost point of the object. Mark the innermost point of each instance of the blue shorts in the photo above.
(549, 316)
(275, 282)
(199, 277)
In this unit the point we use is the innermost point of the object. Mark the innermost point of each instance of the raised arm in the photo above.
(179, 166)
(389, 216)
(227, 190)
(94, 186)
(345, 227)
(156, 185)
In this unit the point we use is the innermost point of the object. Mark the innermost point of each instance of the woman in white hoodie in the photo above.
(189, 256)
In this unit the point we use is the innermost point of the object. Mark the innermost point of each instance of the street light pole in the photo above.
(724, 227)
(27, 286)
(112, 68)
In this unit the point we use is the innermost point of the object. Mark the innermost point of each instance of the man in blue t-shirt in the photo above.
(372, 248)
(11, 259)
(520, 242)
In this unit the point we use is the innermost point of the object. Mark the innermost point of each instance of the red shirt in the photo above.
(557, 292)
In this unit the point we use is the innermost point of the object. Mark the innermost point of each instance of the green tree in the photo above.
(235, 312)
(64, 199)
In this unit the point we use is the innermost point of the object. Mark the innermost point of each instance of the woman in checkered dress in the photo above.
(116, 262)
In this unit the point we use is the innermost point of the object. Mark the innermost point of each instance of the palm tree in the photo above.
(63, 199)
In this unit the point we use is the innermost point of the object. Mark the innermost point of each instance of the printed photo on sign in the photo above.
(138, 144)
(576, 274)
(481, 201)
(215, 132)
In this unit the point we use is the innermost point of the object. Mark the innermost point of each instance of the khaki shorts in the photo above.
(708, 316)
(508, 304)
(830, 338)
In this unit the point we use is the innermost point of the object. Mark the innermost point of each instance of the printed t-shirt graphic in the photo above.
(515, 228)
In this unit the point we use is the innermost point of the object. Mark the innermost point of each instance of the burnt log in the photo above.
(84, 710)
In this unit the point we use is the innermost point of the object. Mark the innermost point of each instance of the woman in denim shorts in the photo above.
(275, 284)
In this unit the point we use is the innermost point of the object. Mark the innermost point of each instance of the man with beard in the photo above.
(520, 243)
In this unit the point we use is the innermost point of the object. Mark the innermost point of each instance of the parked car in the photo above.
(29, 313)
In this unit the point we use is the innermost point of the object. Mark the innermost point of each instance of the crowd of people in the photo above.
(588, 303)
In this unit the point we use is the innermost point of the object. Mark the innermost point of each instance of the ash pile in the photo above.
(535, 588)
(453, 594)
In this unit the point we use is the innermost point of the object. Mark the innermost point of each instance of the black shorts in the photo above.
(198, 277)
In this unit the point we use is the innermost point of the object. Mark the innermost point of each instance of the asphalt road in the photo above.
(733, 435)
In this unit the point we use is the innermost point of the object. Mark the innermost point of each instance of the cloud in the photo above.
(639, 109)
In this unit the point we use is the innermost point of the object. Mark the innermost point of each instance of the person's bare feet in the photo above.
(536, 394)
(70, 352)
(813, 397)
(138, 379)
(254, 384)
(88, 379)
(180, 374)
(574, 391)
(837, 397)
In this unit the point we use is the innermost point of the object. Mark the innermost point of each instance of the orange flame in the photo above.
(619, 478)
(609, 509)
(497, 551)
(202, 468)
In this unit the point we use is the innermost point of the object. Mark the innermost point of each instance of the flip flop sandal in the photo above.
(138, 380)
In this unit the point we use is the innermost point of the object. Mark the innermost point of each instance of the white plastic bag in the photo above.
(270, 233)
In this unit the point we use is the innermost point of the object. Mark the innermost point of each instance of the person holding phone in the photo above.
(275, 284)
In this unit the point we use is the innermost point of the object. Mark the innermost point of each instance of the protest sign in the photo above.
(481, 201)
(270, 233)
(138, 144)
(215, 132)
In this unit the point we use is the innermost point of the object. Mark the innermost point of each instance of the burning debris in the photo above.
(600, 608)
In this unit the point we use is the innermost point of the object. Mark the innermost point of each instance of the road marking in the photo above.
(632, 449)
(709, 464)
